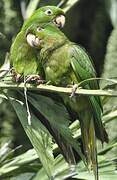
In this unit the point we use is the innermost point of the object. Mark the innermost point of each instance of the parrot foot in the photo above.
(15, 76)
(74, 88)
(35, 79)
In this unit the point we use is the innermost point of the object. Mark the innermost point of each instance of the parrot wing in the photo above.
(90, 119)
(83, 69)
(23, 57)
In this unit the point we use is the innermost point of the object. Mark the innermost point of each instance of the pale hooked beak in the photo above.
(32, 40)
(59, 21)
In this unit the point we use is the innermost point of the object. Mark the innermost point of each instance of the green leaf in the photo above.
(10, 166)
(109, 146)
(61, 170)
(25, 176)
(31, 7)
(58, 117)
(113, 12)
(110, 116)
(25, 163)
(37, 134)
(107, 170)
(69, 4)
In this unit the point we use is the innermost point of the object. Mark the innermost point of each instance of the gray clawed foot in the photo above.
(15, 76)
(74, 88)
(35, 79)
(29, 79)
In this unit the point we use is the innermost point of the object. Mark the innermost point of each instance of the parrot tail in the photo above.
(89, 141)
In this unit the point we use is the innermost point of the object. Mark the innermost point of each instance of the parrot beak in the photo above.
(59, 21)
(32, 40)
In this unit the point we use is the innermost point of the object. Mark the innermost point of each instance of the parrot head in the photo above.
(44, 35)
(46, 14)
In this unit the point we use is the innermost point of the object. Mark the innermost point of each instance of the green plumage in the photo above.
(22, 56)
(66, 63)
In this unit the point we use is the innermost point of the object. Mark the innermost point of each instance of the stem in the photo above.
(69, 4)
(50, 88)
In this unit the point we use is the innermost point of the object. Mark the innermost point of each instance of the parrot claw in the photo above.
(35, 78)
(15, 76)
(40, 81)
(74, 88)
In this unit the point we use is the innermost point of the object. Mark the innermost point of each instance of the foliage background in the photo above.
(92, 24)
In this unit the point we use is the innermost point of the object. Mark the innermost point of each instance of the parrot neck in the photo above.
(52, 45)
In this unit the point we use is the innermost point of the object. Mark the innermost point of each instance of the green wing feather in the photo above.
(83, 70)
(90, 120)
(85, 65)
(22, 57)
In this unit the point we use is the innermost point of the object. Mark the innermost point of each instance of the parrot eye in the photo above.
(39, 29)
(48, 12)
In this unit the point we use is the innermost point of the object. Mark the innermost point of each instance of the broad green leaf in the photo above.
(61, 170)
(37, 134)
(25, 176)
(109, 146)
(18, 162)
(107, 170)
(110, 116)
(58, 117)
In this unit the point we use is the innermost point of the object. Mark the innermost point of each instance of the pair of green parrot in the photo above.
(23, 57)
(42, 52)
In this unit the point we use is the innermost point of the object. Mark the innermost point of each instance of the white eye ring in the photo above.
(39, 29)
(49, 12)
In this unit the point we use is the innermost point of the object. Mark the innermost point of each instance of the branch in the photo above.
(50, 88)
(69, 4)
(31, 7)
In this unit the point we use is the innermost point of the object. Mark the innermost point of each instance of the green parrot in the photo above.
(65, 63)
(23, 57)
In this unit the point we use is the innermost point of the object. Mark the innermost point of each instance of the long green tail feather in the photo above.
(89, 141)
(99, 128)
